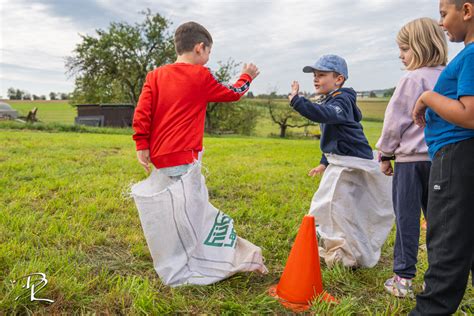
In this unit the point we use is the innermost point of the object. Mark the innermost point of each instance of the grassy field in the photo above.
(48, 111)
(62, 112)
(66, 212)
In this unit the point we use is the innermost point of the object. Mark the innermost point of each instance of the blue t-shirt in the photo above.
(456, 81)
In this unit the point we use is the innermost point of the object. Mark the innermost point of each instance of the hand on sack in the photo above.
(143, 157)
(318, 170)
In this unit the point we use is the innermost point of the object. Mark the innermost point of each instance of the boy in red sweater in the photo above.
(169, 117)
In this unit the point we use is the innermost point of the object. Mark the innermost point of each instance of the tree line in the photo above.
(18, 94)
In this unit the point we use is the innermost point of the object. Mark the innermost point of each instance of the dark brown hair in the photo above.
(189, 34)
(460, 3)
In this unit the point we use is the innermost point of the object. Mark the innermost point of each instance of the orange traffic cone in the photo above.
(301, 280)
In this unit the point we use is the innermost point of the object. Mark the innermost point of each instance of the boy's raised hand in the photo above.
(251, 70)
(318, 170)
(144, 159)
(295, 89)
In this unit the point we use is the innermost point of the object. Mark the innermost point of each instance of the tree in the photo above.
(283, 115)
(113, 65)
(64, 96)
(26, 96)
(237, 117)
(372, 94)
(225, 72)
(389, 92)
(11, 93)
(52, 95)
(19, 94)
(36, 97)
(42, 97)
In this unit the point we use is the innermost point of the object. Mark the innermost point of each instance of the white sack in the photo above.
(353, 211)
(190, 241)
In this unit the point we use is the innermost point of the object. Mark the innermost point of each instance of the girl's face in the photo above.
(406, 54)
(326, 81)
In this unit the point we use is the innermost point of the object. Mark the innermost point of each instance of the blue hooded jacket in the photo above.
(339, 118)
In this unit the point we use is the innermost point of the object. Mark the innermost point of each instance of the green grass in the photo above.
(48, 111)
(373, 109)
(65, 212)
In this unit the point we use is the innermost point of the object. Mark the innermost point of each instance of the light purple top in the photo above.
(400, 136)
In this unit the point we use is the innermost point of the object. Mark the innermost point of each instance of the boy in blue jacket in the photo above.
(337, 111)
(353, 186)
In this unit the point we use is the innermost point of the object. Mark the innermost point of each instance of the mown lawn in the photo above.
(65, 211)
(48, 111)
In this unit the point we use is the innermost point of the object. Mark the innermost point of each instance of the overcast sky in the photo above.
(280, 36)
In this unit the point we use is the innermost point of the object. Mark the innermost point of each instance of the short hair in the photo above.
(335, 74)
(428, 42)
(460, 3)
(189, 34)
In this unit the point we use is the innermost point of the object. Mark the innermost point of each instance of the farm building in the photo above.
(112, 115)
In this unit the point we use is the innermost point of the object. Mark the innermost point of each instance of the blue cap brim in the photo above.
(311, 69)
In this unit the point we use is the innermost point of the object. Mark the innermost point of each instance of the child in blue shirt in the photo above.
(448, 114)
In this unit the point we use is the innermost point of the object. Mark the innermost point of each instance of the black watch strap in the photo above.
(387, 158)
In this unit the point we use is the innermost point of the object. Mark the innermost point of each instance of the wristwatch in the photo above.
(387, 158)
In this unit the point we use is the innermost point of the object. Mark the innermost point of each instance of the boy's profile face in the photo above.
(453, 20)
(326, 81)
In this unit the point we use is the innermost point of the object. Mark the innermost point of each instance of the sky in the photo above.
(279, 36)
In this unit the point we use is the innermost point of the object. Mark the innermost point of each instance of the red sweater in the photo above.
(170, 114)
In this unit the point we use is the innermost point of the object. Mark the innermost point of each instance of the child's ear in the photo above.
(468, 11)
(199, 48)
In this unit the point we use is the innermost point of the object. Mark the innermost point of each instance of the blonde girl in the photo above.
(423, 52)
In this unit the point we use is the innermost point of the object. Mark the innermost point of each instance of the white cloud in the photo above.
(280, 36)
(35, 42)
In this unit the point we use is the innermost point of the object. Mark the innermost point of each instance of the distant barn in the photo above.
(111, 115)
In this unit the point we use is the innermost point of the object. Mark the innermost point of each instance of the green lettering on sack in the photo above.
(222, 233)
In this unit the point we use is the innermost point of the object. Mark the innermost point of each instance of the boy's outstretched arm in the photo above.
(458, 112)
(218, 92)
(332, 113)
